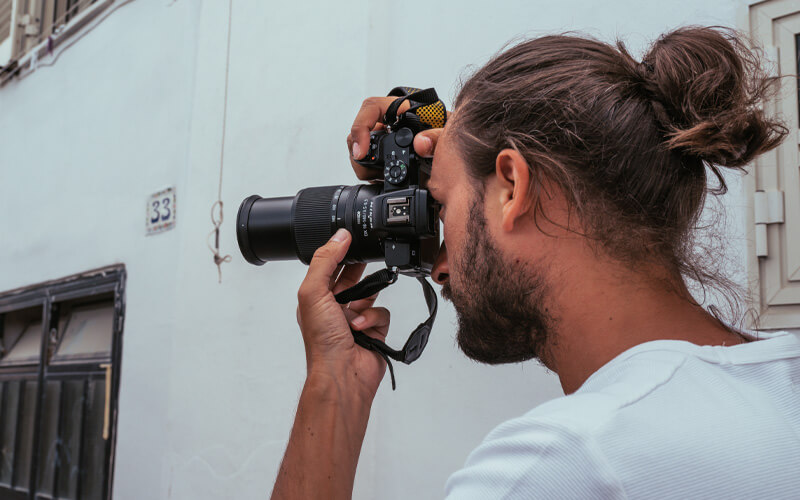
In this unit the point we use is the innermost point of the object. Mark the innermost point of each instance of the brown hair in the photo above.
(630, 144)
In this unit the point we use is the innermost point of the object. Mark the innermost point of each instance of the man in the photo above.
(570, 178)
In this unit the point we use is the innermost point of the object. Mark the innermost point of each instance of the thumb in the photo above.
(324, 263)
(425, 142)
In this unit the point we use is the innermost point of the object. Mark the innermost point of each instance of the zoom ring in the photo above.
(311, 222)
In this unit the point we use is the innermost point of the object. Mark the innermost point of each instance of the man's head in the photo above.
(577, 155)
(499, 300)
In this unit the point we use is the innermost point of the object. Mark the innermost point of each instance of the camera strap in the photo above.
(425, 106)
(418, 339)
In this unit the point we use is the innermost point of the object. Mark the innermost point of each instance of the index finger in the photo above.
(368, 118)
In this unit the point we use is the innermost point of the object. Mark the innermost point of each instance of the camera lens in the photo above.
(263, 229)
(294, 227)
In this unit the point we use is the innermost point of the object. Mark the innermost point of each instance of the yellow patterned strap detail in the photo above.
(424, 103)
(433, 114)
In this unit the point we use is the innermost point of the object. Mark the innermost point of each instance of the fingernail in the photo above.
(340, 235)
(356, 151)
(427, 143)
(359, 320)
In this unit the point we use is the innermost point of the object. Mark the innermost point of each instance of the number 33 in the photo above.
(164, 205)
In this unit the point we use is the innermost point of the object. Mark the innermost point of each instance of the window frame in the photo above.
(21, 59)
(772, 193)
(85, 286)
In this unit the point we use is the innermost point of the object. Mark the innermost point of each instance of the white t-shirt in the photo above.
(665, 419)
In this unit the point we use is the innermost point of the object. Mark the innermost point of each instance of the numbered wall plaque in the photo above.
(160, 211)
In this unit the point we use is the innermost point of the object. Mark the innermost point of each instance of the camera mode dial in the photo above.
(395, 172)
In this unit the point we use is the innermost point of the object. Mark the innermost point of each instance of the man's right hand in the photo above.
(369, 118)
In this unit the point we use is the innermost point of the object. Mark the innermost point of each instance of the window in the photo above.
(32, 29)
(60, 349)
(774, 181)
(797, 72)
(5, 19)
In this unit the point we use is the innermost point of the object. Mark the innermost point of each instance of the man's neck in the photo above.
(602, 316)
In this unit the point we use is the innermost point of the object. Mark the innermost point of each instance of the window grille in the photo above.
(32, 29)
(60, 353)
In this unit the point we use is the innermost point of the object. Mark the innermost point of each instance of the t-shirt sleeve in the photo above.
(528, 458)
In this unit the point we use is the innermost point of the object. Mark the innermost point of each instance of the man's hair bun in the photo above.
(706, 87)
(630, 145)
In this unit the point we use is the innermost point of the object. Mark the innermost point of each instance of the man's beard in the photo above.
(502, 316)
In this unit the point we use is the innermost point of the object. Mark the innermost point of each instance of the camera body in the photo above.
(404, 216)
(395, 220)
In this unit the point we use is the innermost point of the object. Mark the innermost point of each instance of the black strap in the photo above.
(418, 339)
(367, 287)
(426, 106)
(376, 346)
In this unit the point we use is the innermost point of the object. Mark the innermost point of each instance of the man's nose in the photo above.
(441, 272)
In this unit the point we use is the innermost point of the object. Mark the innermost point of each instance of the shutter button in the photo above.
(404, 137)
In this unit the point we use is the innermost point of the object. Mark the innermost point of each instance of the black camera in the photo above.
(396, 220)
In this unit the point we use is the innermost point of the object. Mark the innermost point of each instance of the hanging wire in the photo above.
(218, 205)
(217, 221)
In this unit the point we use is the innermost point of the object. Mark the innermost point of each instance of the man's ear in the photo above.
(514, 181)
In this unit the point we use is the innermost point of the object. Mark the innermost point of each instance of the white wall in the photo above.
(211, 373)
(84, 142)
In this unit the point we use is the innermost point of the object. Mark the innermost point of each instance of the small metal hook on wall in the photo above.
(216, 219)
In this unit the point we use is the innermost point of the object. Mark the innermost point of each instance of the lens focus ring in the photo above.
(311, 220)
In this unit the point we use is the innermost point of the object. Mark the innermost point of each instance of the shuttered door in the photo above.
(5, 19)
(774, 185)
